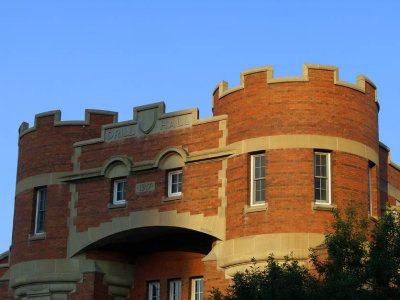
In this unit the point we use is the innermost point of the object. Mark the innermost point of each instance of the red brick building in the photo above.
(167, 206)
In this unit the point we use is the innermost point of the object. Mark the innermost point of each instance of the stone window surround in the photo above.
(197, 291)
(253, 179)
(328, 200)
(116, 186)
(41, 198)
(172, 175)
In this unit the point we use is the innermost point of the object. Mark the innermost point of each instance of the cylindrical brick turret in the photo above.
(45, 152)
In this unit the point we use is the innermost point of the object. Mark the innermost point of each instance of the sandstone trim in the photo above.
(211, 225)
(39, 180)
(161, 115)
(305, 141)
(244, 146)
(56, 278)
(236, 254)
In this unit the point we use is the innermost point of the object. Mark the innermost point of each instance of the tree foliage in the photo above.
(384, 258)
(287, 280)
(353, 266)
(343, 273)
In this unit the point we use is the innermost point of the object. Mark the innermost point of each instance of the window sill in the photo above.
(373, 219)
(255, 208)
(116, 205)
(323, 207)
(172, 198)
(37, 236)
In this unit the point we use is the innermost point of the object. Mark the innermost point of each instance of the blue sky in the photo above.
(114, 55)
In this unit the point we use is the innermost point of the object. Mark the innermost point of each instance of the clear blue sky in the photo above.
(114, 55)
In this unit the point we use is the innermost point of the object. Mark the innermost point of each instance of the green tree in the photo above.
(276, 281)
(384, 257)
(343, 273)
(352, 267)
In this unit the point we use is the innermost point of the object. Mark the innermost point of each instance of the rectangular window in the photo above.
(154, 290)
(197, 288)
(175, 183)
(119, 195)
(370, 190)
(175, 289)
(322, 182)
(258, 179)
(40, 215)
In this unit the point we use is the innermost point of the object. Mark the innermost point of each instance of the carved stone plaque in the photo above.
(118, 133)
(175, 122)
(145, 187)
(150, 119)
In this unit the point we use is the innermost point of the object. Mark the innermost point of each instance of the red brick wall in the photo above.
(200, 195)
(196, 138)
(314, 107)
(163, 267)
(57, 212)
(4, 260)
(3, 271)
(290, 192)
(49, 148)
(394, 176)
(214, 278)
(5, 293)
(390, 174)
(383, 163)
(91, 287)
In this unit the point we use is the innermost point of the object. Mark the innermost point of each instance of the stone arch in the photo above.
(210, 225)
(117, 166)
(171, 158)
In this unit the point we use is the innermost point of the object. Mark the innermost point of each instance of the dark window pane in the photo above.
(323, 171)
(262, 195)
(179, 187)
(323, 184)
(317, 194)
(323, 195)
(180, 177)
(317, 183)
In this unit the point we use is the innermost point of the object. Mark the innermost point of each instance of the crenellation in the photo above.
(56, 115)
(223, 87)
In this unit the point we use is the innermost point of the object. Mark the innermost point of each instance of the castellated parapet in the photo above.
(127, 208)
(317, 102)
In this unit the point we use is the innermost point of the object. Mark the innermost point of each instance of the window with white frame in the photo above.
(370, 189)
(197, 289)
(154, 290)
(174, 183)
(322, 180)
(258, 179)
(40, 213)
(119, 194)
(175, 289)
